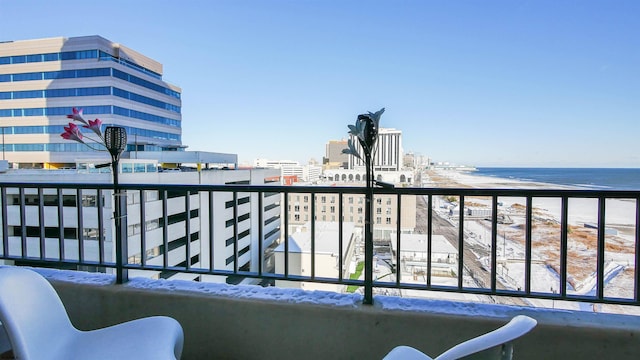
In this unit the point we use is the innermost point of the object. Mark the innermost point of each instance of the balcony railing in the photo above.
(237, 233)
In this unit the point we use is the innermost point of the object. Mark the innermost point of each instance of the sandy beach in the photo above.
(582, 238)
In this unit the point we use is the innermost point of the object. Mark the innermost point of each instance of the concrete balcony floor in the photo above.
(250, 322)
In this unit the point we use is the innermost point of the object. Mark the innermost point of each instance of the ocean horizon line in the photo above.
(594, 178)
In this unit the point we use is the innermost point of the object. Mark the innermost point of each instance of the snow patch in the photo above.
(250, 292)
(76, 277)
(296, 296)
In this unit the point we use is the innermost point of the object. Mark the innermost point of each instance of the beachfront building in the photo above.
(42, 80)
(325, 244)
(388, 157)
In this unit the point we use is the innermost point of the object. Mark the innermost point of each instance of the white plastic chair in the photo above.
(502, 337)
(39, 328)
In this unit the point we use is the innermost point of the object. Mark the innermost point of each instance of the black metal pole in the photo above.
(122, 275)
(368, 233)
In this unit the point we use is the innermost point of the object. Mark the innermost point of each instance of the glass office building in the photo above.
(42, 80)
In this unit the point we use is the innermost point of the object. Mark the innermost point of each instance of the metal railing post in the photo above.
(368, 236)
(120, 218)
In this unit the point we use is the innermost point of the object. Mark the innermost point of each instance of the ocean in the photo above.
(591, 178)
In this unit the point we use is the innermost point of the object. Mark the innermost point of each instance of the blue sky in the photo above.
(485, 83)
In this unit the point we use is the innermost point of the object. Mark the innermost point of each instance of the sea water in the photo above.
(591, 178)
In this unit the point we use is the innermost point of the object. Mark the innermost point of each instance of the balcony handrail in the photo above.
(399, 192)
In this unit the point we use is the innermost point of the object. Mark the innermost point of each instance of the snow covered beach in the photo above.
(582, 246)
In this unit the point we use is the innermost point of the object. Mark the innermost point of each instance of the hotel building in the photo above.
(40, 82)
(388, 157)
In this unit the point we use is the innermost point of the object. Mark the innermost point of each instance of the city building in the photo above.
(388, 157)
(414, 254)
(233, 227)
(409, 160)
(306, 173)
(42, 80)
(349, 177)
(334, 157)
(326, 208)
(325, 244)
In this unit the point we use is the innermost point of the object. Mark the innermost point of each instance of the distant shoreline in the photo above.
(453, 178)
(624, 179)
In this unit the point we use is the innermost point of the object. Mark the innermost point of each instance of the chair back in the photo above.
(496, 344)
(33, 315)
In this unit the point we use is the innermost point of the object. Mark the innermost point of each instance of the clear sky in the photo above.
(485, 83)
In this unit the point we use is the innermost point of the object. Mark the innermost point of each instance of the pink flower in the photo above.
(77, 116)
(72, 132)
(95, 126)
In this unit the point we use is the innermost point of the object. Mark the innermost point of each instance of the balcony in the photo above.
(41, 224)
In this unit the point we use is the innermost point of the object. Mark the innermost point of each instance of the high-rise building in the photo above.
(334, 157)
(388, 156)
(42, 80)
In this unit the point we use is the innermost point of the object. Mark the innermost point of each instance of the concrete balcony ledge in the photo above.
(221, 321)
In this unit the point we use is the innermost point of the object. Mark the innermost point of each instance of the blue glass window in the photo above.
(144, 83)
(138, 168)
(59, 93)
(51, 57)
(34, 112)
(5, 113)
(5, 78)
(30, 94)
(120, 93)
(104, 90)
(52, 75)
(29, 130)
(93, 72)
(18, 59)
(120, 74)
(5, 95)
(68, 55)
(34, 58)
(29, 147)
(27, 76)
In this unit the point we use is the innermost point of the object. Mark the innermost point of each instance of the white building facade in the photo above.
(212, 224)
(288, 168)
(389, 155)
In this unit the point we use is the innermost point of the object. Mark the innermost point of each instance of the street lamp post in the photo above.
(115, 138)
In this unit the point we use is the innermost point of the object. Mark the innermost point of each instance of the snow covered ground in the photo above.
(582, 244)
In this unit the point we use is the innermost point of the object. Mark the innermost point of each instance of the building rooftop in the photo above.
(326, 238)
(418, 243)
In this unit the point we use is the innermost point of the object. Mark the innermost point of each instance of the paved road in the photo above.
(450, 232)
